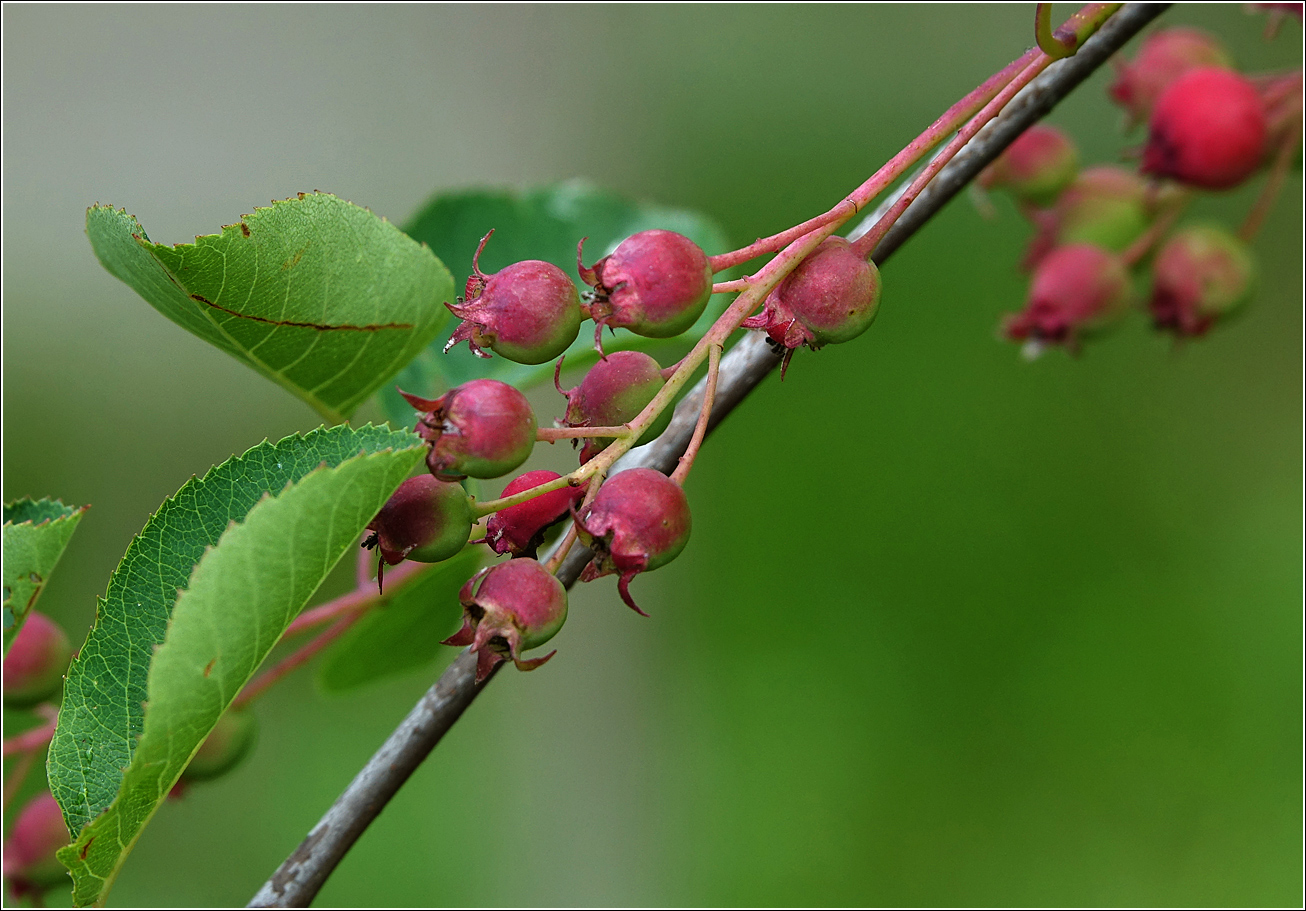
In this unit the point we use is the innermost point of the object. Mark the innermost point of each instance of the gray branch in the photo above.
(298, 879)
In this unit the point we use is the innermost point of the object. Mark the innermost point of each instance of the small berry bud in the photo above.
(37, 660)
(1034, 168)
(483, 428)
(656, 284)
(832, 296)
(1106, 206)
(1076, 290)
(519, 530)
(1164, 57)
(614, 391)
(638, 522)
(426, 520)
(1208, 130)
(230, 741)
(1200, 274)
(37, 833)
(528, 312)
(508, 609)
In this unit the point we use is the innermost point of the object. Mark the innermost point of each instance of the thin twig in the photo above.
(299, 878)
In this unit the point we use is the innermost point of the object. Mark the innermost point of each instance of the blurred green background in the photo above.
(953, 628)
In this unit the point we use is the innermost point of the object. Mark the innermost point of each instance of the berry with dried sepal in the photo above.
(519, 530)
(1208, 130)
(1034, 168)
(832, 296)
(614, 391)
(656, 284)
(1106, 206)
(638, 522)
(482, 429)
(1164, 56)
(426, 520)
(37, 660)
(528, 312)
(1076, 291)
(37, 833)
(1200, 275)
(508, 609)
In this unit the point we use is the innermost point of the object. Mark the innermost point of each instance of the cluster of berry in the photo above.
(655, 284)
(1210, 128)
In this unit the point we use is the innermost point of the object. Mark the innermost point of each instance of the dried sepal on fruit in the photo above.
(507, 609)
(481, 429)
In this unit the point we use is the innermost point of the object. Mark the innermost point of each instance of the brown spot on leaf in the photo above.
(81, 855)
(244, 229)
(208, 668)
(294, 260)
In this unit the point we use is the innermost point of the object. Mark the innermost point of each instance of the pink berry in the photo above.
(37, 660)
(35, 836)
(1164, 56)
(1036, 167)
(614, 391)
(508, 609)
(1076, 290)
(656, 284)
(832, 296)
(1208, 130)
(638, 522)
(482, 429)
(519, 530)
(1200, 275)
(1106, 206)
(426, 520)
(528, 312)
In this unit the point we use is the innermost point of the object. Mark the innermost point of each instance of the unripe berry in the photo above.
(528, 312)
(1034, 168)
(1106, 206)
(614, 391)
(483, 428)
(36, 662)
(1076, 290)
(508, 609)
(519, 530)
(1164, 56)
(230, 741)
(426, 520)
(832, 296)
(1200, 274)
(656, 284)
(638, 522)
(1208, 130)
(37, 833)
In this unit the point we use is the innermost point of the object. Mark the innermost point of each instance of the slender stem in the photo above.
(36, 738)
(17, 775)
(1144, 244)
(550, 434)
(570, 537)
(1260, 209)
(700, 429)
(264, 681)
(1047, 42)
(731, 287)
(764, 245)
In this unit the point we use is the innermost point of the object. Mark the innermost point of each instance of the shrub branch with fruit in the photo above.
(160, 696)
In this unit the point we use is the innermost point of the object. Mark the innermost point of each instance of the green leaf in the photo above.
(36, 533)
(404, 630)
(314, 292)
(543, 223)
(201, 596)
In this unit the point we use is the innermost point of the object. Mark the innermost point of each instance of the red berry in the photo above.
(507, 609)
(656, 284)
(528, 312)
(832, 296)
(1208, 130)
(1106, 206)
(483, 428)
(638, 522)
(37, 660)
(519, 530)
(1164, 57)
(230, 741)
(35, 836)
(614, 391)
(426, 520)
(1076, 290)
(1200, 274)
(1034, 168)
